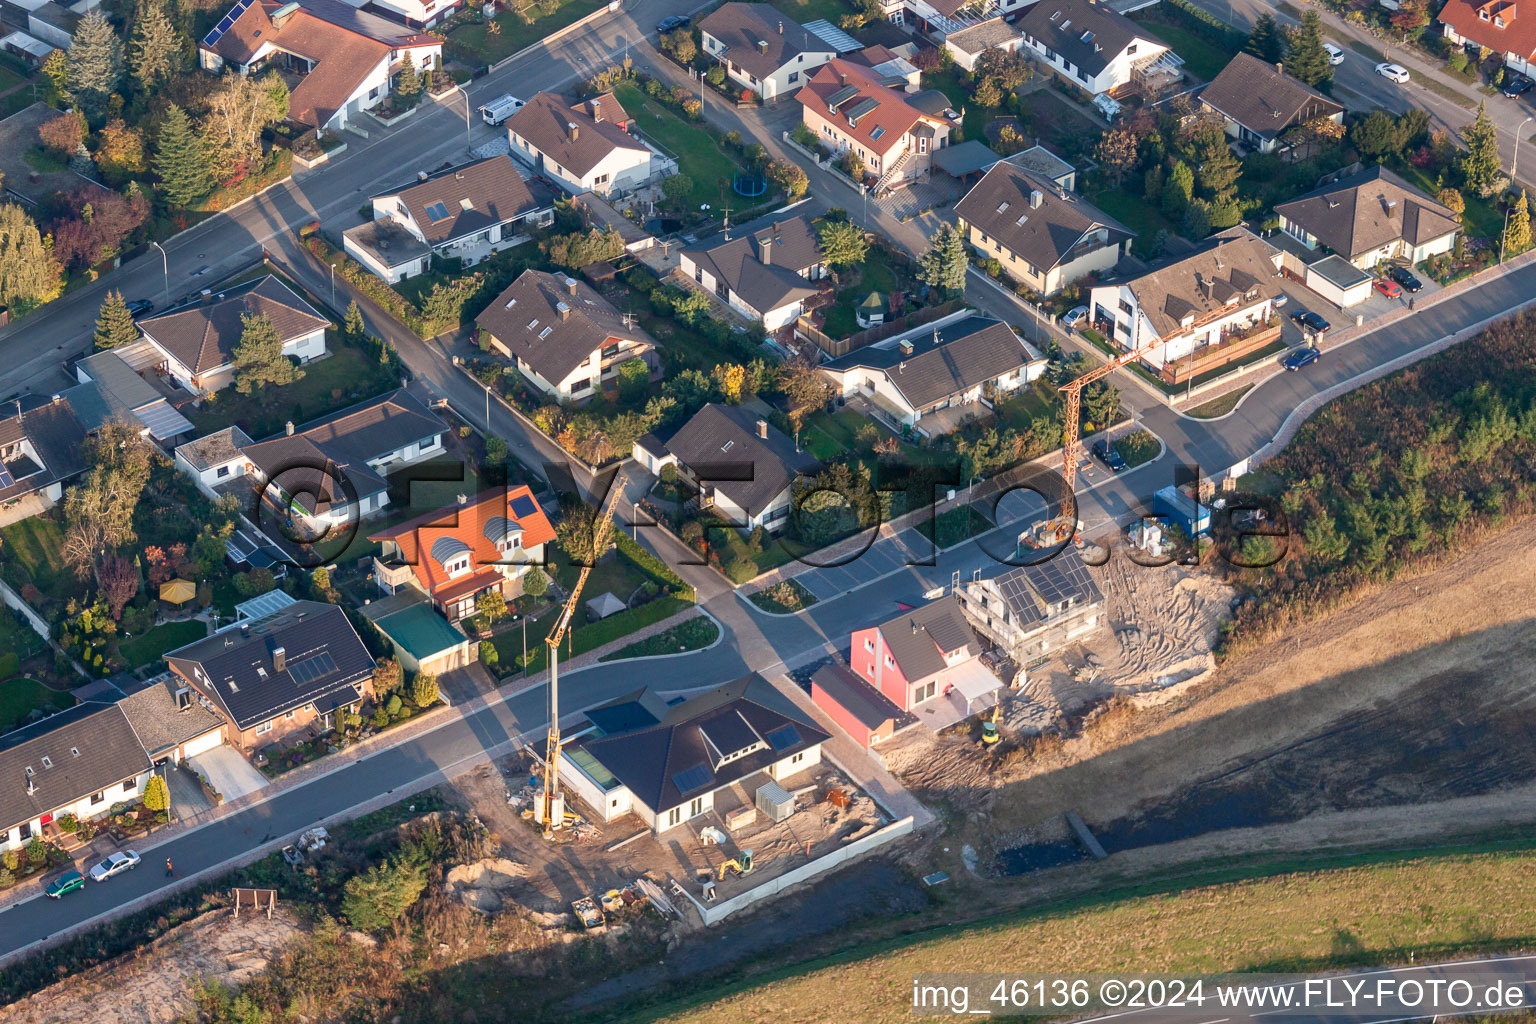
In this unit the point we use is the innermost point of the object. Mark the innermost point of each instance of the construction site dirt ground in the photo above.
(552, 874)
(1421, 695)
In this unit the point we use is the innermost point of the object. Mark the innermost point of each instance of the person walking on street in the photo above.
(170, 872)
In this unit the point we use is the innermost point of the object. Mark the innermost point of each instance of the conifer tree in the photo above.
(182, 161)
(115, 327)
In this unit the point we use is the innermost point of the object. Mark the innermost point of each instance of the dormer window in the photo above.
(1482, 15)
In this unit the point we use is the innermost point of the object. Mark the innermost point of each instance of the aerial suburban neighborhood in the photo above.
(590, 510)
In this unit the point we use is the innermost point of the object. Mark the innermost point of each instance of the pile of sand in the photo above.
(153, 985)
(483, 884)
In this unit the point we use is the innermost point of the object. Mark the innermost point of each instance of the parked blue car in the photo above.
(1302, 357)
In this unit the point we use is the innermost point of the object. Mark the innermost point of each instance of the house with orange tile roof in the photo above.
(345, 59)
(848, 108)
(487, 542)
(1494, 25)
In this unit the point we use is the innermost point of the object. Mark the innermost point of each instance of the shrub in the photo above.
(377, 899)
(488, 656)
(393, 705)
(11, 859)
(424, 690)
(155, 796)
(740, 570)
(68, 824)
(10, 664)
(37, 854)
(380, 718)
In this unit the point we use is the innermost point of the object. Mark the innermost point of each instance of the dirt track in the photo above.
(1423, 692)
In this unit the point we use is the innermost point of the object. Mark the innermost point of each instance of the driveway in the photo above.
(231, 774)
(187, 796)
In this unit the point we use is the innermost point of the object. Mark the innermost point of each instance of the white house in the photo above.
(326, 471)
(39, 452)
(564, 338)
(584, 147)
(1494, 25)
(1370, 217)
(417, 13)
(850, 109)
(1098, 50)
(1187, 304)
(465, 213)
(765, 270)
(348, 58)
(957, 367)
(197, 342)
(762, 51)
(216, 460)
(741, 465)
(78, 762)
(671, 764)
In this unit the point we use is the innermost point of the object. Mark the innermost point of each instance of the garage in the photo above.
(1339, 281)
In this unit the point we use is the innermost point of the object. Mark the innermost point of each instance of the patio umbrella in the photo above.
(177, 591)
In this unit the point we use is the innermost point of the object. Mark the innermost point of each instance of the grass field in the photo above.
(1219, 406)
(34, 547)
(347, 376)
(954, 526)
(148, 647)
(876, 274)
(1203, 58)
(699, 155)
(480, 45)
(693, 635)
(19, 697)
(1279, 916)
(1137, 214)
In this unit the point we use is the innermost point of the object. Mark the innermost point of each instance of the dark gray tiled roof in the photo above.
(327, 663)
(1000, 206)
(1264, 99)
(204, 336)
(1063, 24)
(1367, 211)
(919, 639)
(56, 435)
(494, 191)
(868, 705)
(720, 441)
(741, 27)
(90, 748)
(528, 319)
(788, 244)
(666, 764)
(946, 361)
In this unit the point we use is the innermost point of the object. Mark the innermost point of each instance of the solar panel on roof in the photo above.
(784, 737)
(437, 211)
(307, 671)
(522, 505)
(227, 23)
(692, 778)
(6, 479)
(1057, 580)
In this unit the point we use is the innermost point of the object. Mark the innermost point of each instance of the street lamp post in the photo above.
(165, 268)
(1514, 164)
(487, 407)
(465, 93)
(333, 285)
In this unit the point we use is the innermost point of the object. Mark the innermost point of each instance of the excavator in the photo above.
(551, 804)
(739, 866)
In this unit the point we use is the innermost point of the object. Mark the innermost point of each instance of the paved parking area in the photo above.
(230, 773)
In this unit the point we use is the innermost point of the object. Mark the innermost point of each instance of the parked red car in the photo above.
(1391, 289)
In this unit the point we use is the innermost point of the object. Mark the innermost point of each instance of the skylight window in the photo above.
(1002, 206)
(545, 332)
(879, 131)
(47, 762)
(532, 324)
(437, 212)
(466, 204)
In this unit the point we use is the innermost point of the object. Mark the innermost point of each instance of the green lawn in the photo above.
(345, 377)
(18, 638)
(1219, 406)
(693, 635)
(698, 153)
(583, 636)
(1137, 448)
(875, 274)
(1022, 409)
(20, 696)
(1137, 214)
(33, 549)
(809, 10)
(952, 527)
(476, 44)
(9, 78)
(147, 648)
(1203, 58)
(1482, 218)
(820, 444)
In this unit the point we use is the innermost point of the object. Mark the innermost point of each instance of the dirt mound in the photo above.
(154, 984)
(483, 884)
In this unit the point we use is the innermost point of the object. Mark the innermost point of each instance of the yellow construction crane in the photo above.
(551, 804)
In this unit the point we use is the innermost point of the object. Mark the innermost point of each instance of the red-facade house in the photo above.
(909, 657)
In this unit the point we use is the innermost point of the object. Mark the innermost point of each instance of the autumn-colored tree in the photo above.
(1116, 153)
(728, 381)
(119, 581)
(63, 133)
(237, 112)
(120, 151)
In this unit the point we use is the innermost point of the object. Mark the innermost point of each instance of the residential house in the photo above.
(741, 465)
(1346, 229)
(111, 390)
(1223, 293)
(273, 676)
(197, 342)
(216, 460)
(935, 377)
(1494, 26)
(859, 709)
(457, 553)
(967, 45)
(848, 109)
(40, 441)
(1259, 103)
(563, 337)
(172, 721)
(326, 471)
(670, 765)
(78, 762)
(1100, 51)
(416, 13)
(583, 147)
(893, 68)
(346, 58)
(1044, 236)
(765, 270)
(420, 638)
(760, 50)
(1032, 611)
(922, 655)
(464, 213)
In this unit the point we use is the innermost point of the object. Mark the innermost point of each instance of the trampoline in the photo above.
(750, 184)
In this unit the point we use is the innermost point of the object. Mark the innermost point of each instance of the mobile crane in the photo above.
(551, 804)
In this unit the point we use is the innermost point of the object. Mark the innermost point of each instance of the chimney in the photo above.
(279, 659)
(906, 346)
(597, 109)
(564, 310)
(245, 629)
(1036, 197)
(462, 499)
(842, 77)
(288, 428)
(31, 786)
(765, 250)
(762, 46)
(570, 126)
(762, 428)
(1279, 68)
(781, 26)
(570, 286)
